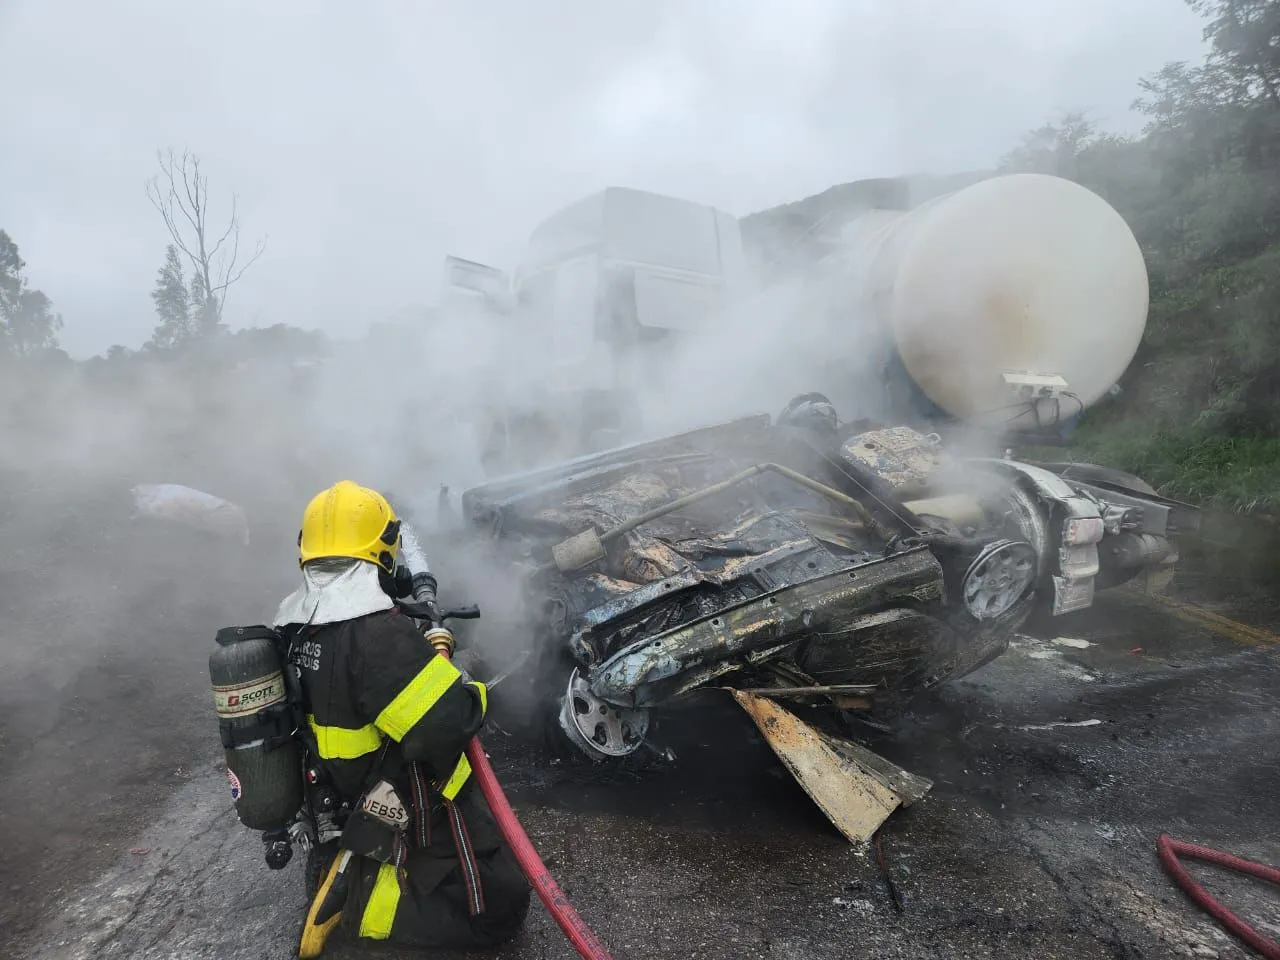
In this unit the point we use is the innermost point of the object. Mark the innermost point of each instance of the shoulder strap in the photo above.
(287, 636)
(229, 635)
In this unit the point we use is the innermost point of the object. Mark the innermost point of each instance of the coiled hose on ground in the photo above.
(1169, 850)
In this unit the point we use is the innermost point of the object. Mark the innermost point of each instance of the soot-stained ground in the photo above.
(119, 839)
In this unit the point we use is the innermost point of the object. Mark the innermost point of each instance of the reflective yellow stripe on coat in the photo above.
(457, 779)
(481, 689)
(462, 770)
(418, 696)
(380, 912)
(343, 743)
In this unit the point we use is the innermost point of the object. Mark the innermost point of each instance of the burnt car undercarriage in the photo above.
(743, 556)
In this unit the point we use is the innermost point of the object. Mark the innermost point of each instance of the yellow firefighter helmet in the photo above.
(348, 520)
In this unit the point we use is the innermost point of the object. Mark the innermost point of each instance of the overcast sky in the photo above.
(367, 140)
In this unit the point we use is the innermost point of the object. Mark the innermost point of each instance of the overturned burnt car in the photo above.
(747, 555)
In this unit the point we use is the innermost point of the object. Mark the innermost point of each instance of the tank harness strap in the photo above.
(229, 635)
(289, 636)
(424, 791)
(399, 857)
(467, 859)
(274, 725)
(419, 785)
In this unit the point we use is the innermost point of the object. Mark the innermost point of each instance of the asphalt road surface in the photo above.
(1055, 768)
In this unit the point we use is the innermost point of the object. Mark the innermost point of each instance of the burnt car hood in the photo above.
(713, 587)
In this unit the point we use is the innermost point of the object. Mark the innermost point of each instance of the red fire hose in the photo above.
(575, 928)
(1169, 849)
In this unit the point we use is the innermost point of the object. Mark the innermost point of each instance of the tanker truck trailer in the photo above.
(999, 314)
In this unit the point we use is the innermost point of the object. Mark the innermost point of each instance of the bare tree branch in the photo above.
(180, 193)
(169, 202)
(231, 278)
(233, 226)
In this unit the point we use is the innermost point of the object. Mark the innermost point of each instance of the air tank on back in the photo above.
(1004, 288)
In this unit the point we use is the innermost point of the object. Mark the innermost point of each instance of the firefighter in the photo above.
(420, 861)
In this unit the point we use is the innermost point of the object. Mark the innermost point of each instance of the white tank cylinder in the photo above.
(1024, 274)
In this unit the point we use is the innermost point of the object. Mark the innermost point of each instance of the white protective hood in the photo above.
(334, 590)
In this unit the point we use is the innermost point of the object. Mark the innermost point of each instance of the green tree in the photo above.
(1244, 36)
(1179, 94)
(28, 324)
(173, 305)
(206, 310)
(1054, 148)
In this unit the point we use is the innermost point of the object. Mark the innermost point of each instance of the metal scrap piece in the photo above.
(905, 458)
(856, 789)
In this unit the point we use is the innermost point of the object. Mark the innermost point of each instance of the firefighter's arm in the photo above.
(417, 697)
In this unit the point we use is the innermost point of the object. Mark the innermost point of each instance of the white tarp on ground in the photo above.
(192, 508)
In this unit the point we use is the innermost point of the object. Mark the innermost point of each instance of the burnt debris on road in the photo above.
(1054, 769)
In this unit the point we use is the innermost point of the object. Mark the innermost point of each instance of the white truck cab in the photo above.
(587, 316)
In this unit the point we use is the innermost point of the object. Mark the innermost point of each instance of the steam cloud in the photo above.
(402, 410)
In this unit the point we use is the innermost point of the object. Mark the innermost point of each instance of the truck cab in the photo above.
(588, 316)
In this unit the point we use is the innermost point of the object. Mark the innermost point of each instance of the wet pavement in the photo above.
(1055, 769)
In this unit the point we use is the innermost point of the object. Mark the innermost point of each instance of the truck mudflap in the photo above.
(855, 788)
(1070, 595)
